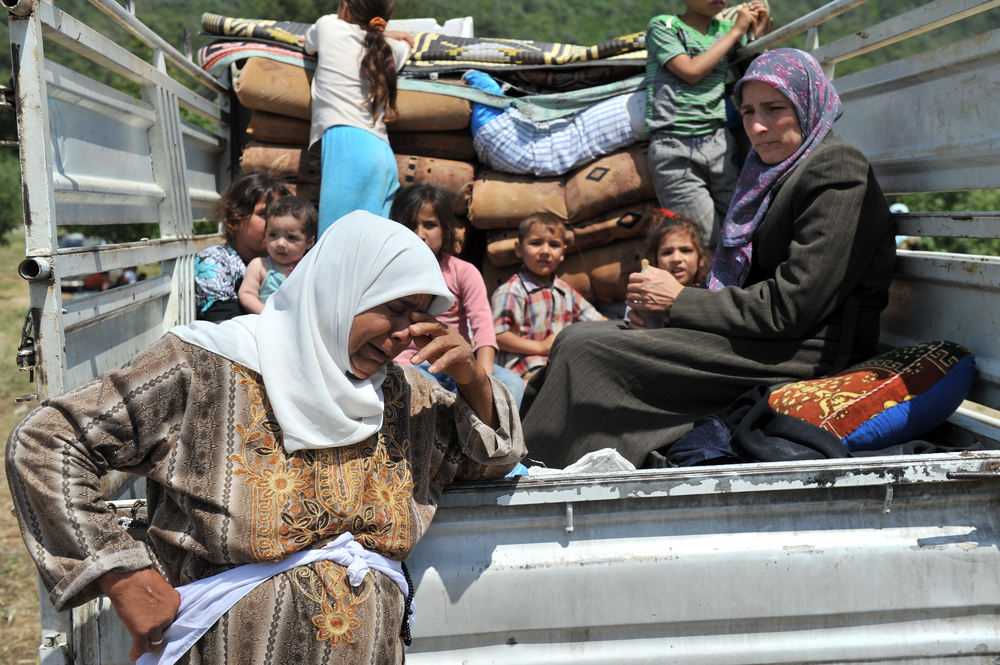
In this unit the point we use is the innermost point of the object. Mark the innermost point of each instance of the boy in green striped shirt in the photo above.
(692, 156)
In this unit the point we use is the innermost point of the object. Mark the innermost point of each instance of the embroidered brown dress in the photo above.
(223, 491)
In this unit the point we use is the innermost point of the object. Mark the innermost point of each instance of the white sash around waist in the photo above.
(205, 601)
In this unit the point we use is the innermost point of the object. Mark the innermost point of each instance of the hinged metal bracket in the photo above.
(26, 351)
(989, 471)
(53, 650)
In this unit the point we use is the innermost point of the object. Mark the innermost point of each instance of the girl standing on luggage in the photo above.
(353, 93)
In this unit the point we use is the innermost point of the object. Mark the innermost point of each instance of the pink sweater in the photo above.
(472, 307)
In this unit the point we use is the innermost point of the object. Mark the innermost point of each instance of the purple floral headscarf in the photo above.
(797, 76)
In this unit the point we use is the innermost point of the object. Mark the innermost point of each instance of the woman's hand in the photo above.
(448, 352)
(653, 291)
(146, 604)
(444, 348)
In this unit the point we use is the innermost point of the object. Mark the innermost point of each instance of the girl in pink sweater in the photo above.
(427, 211)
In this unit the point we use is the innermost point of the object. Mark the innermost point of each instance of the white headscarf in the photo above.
(299, 343)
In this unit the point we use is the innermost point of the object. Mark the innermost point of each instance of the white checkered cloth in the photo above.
(513, 144)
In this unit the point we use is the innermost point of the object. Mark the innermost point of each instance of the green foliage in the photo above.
(977, 200)
(296, 11)
(544, 20)
(10, 192)
(115, 233)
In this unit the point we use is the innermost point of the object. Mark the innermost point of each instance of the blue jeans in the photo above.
(514, 383)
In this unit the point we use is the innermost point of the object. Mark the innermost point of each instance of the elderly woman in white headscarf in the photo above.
(290, 464)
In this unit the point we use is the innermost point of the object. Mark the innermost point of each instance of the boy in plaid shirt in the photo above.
(534, 305)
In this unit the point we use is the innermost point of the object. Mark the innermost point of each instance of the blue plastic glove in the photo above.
(481, 113)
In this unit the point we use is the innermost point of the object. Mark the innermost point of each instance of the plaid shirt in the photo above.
(533, 310)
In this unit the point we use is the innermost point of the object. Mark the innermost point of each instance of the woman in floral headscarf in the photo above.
(801, 274)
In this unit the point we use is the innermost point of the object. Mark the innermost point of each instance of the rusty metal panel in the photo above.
(951, 136)
(949, 224)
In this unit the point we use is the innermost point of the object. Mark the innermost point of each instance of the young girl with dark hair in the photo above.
(675, 243)
(219, 269)
(353, 93)
(427, 211)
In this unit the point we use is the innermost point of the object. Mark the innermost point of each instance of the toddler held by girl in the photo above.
(427, 211)
(219, 269)
(289, 234)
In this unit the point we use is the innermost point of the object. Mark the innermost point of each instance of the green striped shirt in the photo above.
(672, 105)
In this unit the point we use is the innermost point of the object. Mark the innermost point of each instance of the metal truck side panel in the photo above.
(801, 564)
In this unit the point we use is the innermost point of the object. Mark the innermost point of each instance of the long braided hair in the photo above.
(377, 64)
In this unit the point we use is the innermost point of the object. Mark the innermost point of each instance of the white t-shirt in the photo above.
(338, 88)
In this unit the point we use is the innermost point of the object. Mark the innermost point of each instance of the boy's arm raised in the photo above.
(691, 70)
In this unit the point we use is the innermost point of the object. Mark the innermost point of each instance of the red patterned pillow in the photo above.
(890, 399)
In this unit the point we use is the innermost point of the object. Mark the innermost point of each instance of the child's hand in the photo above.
(445, 349)
(635, 320)
(547, 344)
(746, 18)
(762, 15)
(399, 35)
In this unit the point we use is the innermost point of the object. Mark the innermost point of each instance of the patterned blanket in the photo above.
(432, 53)
(283, 32)
(433, 48)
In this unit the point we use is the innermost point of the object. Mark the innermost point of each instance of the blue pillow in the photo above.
(890, 399)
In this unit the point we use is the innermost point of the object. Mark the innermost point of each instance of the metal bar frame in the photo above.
(77, 636)
(126, 19)
(157, 113)
(813, 19)
(80, 38)
(950, 224)
(912, 23)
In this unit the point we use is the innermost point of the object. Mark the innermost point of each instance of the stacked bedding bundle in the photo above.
(605, 203)
(429, 137)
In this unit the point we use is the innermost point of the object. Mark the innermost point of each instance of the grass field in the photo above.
(19, 627)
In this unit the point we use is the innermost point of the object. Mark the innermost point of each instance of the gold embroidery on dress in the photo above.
(311, 496)
(329, 587)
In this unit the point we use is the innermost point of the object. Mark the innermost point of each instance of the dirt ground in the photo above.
(19, 627)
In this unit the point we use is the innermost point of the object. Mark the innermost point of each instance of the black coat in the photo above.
(822, 263)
